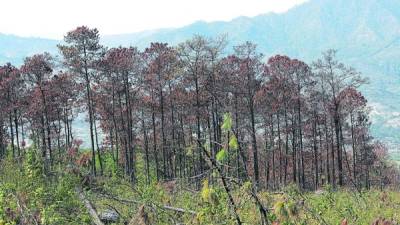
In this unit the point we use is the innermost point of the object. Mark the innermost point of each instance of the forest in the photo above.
(197, 133)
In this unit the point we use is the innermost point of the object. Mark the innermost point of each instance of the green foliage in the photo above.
(335, 206)
(29, 194)
(221, 155)
(52, 198)
(213, 208)
(110, 166)
(233, 143)
(280, 210)
(227, 122)
(208, 193)
(33, 164)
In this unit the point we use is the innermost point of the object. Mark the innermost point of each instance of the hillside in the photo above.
(55, 201)
(272, 127)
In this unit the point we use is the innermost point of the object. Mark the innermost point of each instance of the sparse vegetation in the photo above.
(28, 196)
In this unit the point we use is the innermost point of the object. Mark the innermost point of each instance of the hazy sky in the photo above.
(53, 18)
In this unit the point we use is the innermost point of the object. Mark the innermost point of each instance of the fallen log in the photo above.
(92, 211)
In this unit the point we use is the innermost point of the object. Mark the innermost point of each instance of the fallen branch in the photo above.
(95, 217)
(166, 207)
(178, 209)
(116, 210)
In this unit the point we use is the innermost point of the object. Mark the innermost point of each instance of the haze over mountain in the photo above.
(14, 49)
(366, 33)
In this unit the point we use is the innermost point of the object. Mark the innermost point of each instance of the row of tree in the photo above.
(291, 122)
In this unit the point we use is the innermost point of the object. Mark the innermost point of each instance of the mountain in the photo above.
(356, 27)
(14, 49)
(366, 33)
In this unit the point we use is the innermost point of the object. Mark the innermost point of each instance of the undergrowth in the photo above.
(28, 195)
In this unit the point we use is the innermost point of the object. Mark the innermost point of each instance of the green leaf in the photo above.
(233, 143)
(227, 124)
(221, 155)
